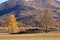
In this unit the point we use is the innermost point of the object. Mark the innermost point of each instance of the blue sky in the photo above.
(58, 0)
(1, 1)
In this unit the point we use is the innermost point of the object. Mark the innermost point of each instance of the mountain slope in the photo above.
(43, 3)
(34, 3)
(58, 2)
(25, 11)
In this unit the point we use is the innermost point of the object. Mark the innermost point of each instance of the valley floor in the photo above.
(35, 36)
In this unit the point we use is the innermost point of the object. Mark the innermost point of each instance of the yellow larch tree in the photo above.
(12, 24)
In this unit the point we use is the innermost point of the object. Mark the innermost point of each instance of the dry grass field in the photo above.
(35, 36)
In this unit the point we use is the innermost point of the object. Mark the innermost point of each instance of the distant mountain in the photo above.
(25, 10)
(43, 3)
(35, 3)
(58, 2)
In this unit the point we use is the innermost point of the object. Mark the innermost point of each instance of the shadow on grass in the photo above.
(29, 31)
(33, 31)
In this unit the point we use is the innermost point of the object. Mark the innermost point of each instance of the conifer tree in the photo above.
(12, 24)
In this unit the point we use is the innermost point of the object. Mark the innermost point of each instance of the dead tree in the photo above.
(46, 19)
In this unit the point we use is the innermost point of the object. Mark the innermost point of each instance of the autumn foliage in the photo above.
(12, 24)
